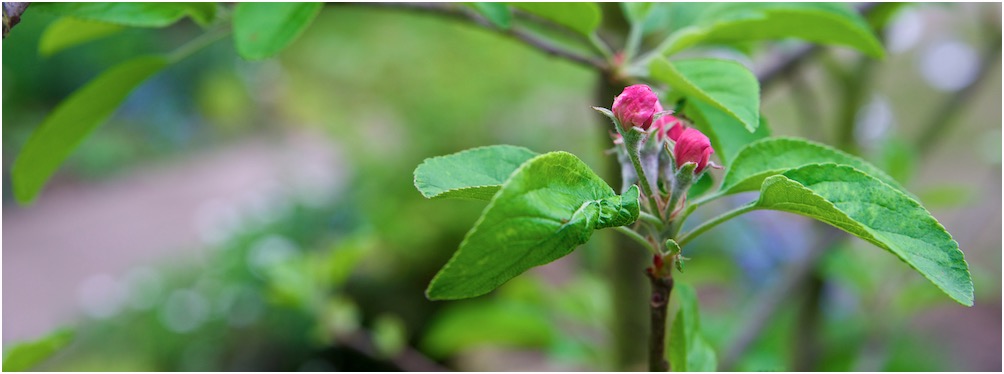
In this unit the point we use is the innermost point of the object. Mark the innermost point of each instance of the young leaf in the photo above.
(816, 22)
(688, 351)
(67, 32)
(72, 120)
(131, 14)
(472, 174)
(24, 356)
(723, 84)
(872, 210)
(772, 156)
(727, 134)
(547, 207)
(497, 13)
(263, 29)
(580, 17)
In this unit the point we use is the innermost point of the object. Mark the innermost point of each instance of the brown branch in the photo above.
(464, 14)
(661, 289)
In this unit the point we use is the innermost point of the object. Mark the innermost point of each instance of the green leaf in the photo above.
(497, 13)
(688, 351)
(263, 29)
(726, 133)
(772, 156)
(723, 84)
(580, 17)
(131, 14)
(870, 209)
(67, 32)
(550, 205)
(508, 324)
(73, 119)
(815, 22)
(476, 173)
(24, 356)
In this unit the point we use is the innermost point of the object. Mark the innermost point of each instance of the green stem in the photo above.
(650, 218)
(637, 238)
(691, 208)
(198, 43)
(633, 42)
(600, 46)
(686, 238)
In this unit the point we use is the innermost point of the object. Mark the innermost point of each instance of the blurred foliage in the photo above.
(391, 89)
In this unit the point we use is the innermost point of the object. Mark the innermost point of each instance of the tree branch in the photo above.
(661, 289)
(464, 14)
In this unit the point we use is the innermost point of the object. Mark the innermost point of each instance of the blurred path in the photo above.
(62, 256)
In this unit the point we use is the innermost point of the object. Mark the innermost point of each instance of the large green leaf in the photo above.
(73, 119)
(24, 356)
(496, 13)
(726, 133)
(869, 208)
(67, 32)
(472, 174)
(263, 29)
(723, 84)
(132, 14)
(550, 205)
(772, 156)
(688, 351)
(816, 22)
(581, 17)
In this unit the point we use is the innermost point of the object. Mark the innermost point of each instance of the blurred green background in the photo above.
(240, 215)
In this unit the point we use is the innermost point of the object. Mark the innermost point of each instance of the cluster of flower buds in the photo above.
(667, 149)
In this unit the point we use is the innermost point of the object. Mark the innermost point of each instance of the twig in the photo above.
(662, 287)
(464, 14)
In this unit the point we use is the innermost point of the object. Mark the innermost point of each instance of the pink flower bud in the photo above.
(672, 126)
(693, 146)
(635, 106)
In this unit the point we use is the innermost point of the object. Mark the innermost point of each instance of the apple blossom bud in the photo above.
(635, 106)
(693, 146)
(672, 126)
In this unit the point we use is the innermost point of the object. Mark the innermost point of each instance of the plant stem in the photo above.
(601, 46)
(650, 218)
(637, 238)
(661, 289)
(633, 42)
(642, 179)
(198, 43)
(686, 238)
